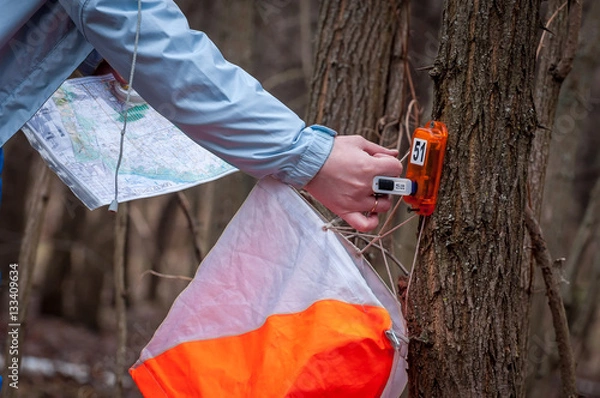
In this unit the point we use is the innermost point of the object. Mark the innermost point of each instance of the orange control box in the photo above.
(425, 165)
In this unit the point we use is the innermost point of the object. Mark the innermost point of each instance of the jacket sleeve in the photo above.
(182, 74)
(39, 48)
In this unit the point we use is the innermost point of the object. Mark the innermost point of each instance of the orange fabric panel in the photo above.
(330, 349)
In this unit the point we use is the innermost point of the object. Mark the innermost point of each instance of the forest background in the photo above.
(71, 318)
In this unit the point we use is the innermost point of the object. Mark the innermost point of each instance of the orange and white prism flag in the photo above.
(280, 307)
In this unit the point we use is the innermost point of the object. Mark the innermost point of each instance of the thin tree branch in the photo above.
(160, 275)
(546, 30)
(187, 210)
(120, 293)
(559, 318)
(283, 77)
(566, 63)
(165, 276)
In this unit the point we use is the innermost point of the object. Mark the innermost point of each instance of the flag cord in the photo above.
(114, 205)
(375, 240)
(412, 268)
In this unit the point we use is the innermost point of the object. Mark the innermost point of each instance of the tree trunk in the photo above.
(37, 203)
(358, 58)
(64, 238)
(19, 158)
(90, 265)
(162, 239)
(574, 110)
(579, 295)
(359, 77)
(359, 82)
(470, 293)
(120, 290)
(560, 213)
(551, 51)
(559, 208)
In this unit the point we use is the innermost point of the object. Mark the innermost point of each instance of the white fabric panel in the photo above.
(274, 257)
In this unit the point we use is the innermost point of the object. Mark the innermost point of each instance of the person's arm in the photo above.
(182, 74)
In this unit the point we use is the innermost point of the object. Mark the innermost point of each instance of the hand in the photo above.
(104, 68)
(344, 183)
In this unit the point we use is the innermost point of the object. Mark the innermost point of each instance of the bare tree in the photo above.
(360, 82)
(469, 300)
(359, 72)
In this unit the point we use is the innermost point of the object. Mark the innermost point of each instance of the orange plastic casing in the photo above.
(425, 165)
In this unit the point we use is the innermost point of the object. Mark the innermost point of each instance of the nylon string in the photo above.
(115, 203)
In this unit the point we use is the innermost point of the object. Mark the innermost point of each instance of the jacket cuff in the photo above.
(313, 158)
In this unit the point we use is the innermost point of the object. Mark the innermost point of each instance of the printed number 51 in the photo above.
(419, 151)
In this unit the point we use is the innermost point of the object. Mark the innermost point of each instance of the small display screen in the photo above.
(386, 185)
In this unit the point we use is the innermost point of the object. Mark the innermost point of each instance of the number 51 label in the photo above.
(419, 151)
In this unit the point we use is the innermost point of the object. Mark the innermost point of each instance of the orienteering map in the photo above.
(77, 132)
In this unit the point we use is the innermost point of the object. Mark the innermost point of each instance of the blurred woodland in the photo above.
(71, 333)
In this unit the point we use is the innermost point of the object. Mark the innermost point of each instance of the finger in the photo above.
(388, 166)
(384, 203)
(383, 155)
(362, 222)
(118, 76)
(372, 148)
(372, 204)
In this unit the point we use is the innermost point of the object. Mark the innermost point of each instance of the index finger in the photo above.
(374, 149)
(387, 165)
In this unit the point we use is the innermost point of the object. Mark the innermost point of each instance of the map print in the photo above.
(77, 132)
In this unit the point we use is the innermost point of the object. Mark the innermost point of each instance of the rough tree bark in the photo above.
(554, 55)
(469, 297)
(562, 118)
(557, 47)
(359, 82)
(359, 74)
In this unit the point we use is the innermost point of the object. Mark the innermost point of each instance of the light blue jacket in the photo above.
(179, 72)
